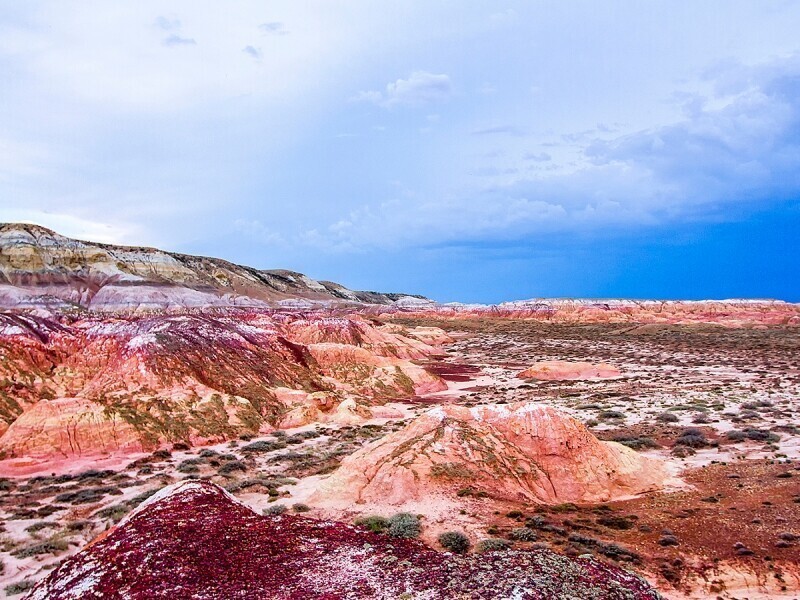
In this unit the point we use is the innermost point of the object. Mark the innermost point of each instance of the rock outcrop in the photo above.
(107, 384)
(556, 370)
(522, 452)
(40, 268)
(194, 540)
(728, 313)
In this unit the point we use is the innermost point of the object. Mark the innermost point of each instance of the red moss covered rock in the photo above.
(193, 540)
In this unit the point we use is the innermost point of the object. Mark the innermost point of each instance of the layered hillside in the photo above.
(40, 268)
(80, 387)
(193, 540)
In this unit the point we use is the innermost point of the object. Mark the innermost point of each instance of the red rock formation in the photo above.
(193, 540)
(555, 370)
(520, 452)
(122, 383)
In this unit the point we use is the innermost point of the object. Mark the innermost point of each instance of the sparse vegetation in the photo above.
(404, 525)
(373, 523)
(454, 541)
(493, 545)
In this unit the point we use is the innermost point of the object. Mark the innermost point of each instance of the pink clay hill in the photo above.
(524, 452)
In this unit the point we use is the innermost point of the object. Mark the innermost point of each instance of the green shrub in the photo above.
(493, 545)
(454, 541)
(374, 523)
(523, 534)
(301, 508)
(404, 525)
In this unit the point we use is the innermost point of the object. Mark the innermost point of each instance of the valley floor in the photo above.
(721, 406)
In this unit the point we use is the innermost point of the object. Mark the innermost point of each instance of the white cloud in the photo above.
(419, 89)
(75, 227)
(741, 151)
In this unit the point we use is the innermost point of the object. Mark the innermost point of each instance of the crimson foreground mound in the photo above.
(193, 540)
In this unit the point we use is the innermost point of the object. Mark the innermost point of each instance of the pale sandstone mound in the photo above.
(555, 370)
(194, 540)
(520, 452)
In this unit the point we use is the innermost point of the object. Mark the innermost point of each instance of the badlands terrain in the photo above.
(175, 426)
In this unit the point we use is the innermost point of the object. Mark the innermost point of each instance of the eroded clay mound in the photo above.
(519, 452)
(556, 370)
(193, 540)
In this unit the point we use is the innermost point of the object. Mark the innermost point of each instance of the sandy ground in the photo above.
(732, 494)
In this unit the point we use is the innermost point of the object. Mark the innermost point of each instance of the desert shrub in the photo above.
(41, 525)
(208, 453)
(667, 417)
(139, 498)
(523, 534)
(231, 467)
(115, 512)
(610, 414)
(564, 507)
(19, 587)
(751, 433)
(263, 446)
(52, 546)
(374, 523)
(591, 423)
(535, 522)
(161, 455)
(701, 419)
(454, 541)
(89, 495)
(300, 507)
(616, 522)
(693, 438)
(188, 466)
(93, 474)
(180, 447)
(78, 525)
(493, 545)
(404, 525)
(636, 443)
(275, 509)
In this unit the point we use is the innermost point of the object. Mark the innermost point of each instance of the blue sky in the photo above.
(467, 151)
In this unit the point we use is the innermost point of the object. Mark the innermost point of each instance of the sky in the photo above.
(474, 152)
